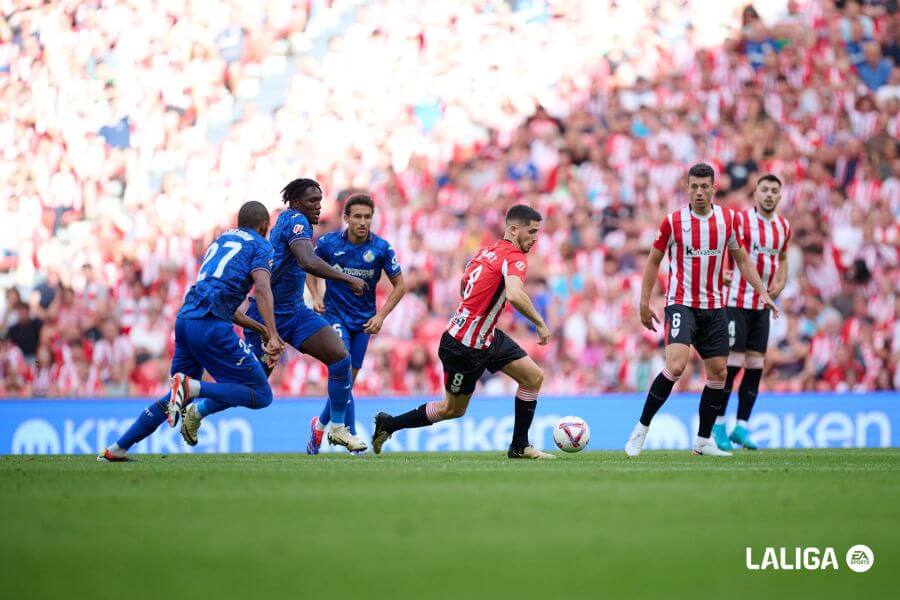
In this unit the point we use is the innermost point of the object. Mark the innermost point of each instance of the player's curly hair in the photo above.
(295, 189)
(358, 199)
(702, 171)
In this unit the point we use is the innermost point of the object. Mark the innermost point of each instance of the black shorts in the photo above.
(704, 329)
(464, 366)
(748, 329)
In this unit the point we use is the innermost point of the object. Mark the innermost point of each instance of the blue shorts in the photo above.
(356, 341)
(212, 344)
(294, 328)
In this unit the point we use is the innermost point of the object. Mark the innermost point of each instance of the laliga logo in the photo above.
(860, 559)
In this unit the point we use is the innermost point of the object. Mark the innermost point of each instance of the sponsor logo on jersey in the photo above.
(489, 255)
(757, 249)
(362, 273)
(691, 251)
(520, 265)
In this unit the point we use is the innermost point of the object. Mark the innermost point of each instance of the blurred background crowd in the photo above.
(131, 131)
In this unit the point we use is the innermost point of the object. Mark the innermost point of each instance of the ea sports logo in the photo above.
(860, 558)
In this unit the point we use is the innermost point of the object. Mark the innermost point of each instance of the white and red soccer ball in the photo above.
(571, 434)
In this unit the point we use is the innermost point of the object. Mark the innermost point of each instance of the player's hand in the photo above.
(726, 276)
(273, 350)
(543, 334)
(648, 317)
(319, 305)
(358, 285)
(374, 325)
(768, 302)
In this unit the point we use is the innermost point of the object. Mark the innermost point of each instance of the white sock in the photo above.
(335, 426)
(742, 423)
(702, 441)
(193, 388)
(319, 426)
(117, 450)
(641, 427)
(720, 420)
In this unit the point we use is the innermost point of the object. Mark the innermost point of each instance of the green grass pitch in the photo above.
(592, 525)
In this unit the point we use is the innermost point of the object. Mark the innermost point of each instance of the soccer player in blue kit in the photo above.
(205, 338)
(359, 252)
(298, 325)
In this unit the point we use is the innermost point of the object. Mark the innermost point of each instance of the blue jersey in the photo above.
(288, 279)
(366, 261)
(225, 274)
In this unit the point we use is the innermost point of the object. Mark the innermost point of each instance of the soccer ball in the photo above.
(571, 434)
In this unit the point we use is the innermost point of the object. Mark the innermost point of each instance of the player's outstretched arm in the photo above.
(305, 253)
(314, 285)
(519, 298)
(648, 282)
(752, 276)
(266, 305)
(374, 324)
(244, 322)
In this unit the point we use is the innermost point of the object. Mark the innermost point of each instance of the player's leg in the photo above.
(680, 326)
(326, 346)
(318, 424)
(530, 377)
(462, 368)
(240, 377)
(737, 342)
(359, 344)
(712, 345)
(757, 343)
(154, 415)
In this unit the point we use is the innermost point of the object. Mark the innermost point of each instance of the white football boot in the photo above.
(636, 442)
(339, 435)
(707, 447)
(190, 424)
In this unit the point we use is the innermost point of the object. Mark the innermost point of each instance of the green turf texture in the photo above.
(591, 525)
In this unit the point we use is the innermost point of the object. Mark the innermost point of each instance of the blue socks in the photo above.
(147, 422)
(208, 406)
(340, 384)
(349, 414)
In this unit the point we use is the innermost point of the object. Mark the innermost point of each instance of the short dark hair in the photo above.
(702, 170)
(358, 200)
(769, 177)
(252, 214)
(296, 188)
(523, 214)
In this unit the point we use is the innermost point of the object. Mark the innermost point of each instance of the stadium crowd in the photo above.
(132, 131)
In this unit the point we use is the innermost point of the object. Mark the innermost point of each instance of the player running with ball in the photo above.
(472, 344)
(695, 238)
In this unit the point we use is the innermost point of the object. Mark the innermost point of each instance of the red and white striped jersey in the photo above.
(483, 291)
(764, 240)
(696, 247)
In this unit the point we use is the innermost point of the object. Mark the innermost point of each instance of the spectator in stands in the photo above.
(26, 332)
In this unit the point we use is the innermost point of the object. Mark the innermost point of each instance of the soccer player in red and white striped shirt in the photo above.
(472, 343)
(695, 239)
(764, 235)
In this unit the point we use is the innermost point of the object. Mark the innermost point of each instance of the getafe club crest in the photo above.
(369, 256)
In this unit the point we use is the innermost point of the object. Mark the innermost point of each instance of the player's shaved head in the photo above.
(252, 215)
(522, 214)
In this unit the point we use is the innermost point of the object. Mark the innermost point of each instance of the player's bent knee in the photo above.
(676, 367)
(262, 396)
